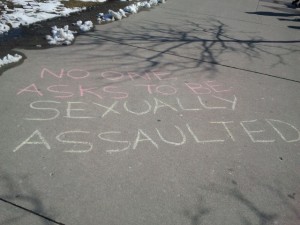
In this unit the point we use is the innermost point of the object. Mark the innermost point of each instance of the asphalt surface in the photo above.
(186, 114)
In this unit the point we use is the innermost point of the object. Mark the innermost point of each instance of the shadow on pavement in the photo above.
(295, 27)
(197, 214)
(244, 206)
(204, 45)
(266, 13)
(285, 12)
(291, 20)
(23, 198)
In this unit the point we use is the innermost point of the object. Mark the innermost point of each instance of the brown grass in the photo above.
(74, 3)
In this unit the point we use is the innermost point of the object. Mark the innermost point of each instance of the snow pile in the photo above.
(104, 17)
(133, 8)
(130, 9)
(153, 2)
(60, 36)
(32, 11)
(4, 28)
(146, 5)
(111, 16)
(115, 15)
(86, 26)
(93, 0)
(122, 12)
(10, 59)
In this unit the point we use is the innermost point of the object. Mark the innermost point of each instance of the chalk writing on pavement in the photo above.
(67, 97)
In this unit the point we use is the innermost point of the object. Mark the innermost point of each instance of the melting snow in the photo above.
(84, 27)
(10, 59)
(33, 11)
(130, 9)
(60, 36)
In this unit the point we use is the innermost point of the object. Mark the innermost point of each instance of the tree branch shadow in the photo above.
(195, 45)
(25, 196)
(248, 210)
(197, 213)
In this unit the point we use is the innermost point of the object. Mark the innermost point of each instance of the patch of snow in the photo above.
(32, 11)
(105, 17)
(86, 26)
(78, 23)
(93, 0)
(131, 9)
(10, 59)
(153, 2)
(116, 15)
(144, 5)
(122, 12)
(4, 28)
(60, 36)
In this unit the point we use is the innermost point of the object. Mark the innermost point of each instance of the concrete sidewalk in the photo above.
(184, 114)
